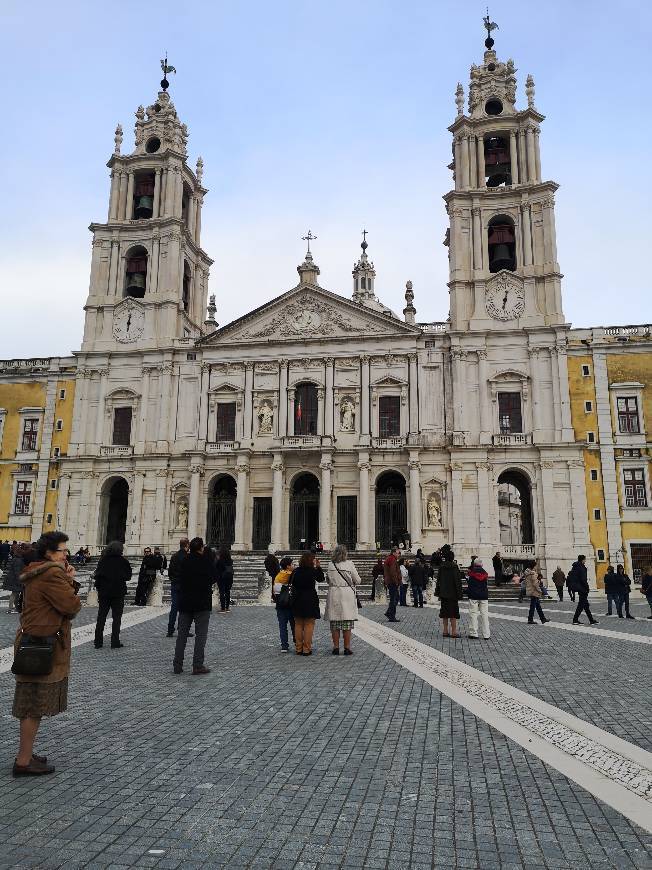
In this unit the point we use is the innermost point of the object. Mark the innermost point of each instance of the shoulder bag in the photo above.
(35, 655)
(357, 597)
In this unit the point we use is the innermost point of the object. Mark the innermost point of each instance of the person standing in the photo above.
(559, 578)
(533, 588)
(405, 579)
(305, 601)
(578, 582)
(112, 574)
(195, 605)
(392, 578)
(282, 600)
(224, 570)
(50, 602)
(625, 589)
(569, 589)
(174, 573)
(646, 587)
(146, 576)
(5, 550)
(376, 572)
(497, 563)
(418, 572)
(449, 592)
(11, 577)
(341, 602)
(612, 588)
(272, 564)
(478, 592)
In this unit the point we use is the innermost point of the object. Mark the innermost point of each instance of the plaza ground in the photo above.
(280, 761)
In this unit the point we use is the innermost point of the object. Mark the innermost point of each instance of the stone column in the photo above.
(465, 163)
(547, 519)
(160, 532)
(567, 433)
(320, 411)
(122, 195)
(549, 231)
(157, 194)
(458, 506)
(200, 202)
(191, 216)
(522, 157)
(473, 163)
(536, 391)
(129, 204)
(172, 419)
(577, 481)
(152, 272)
(113, 268)
(484, 502)
(365, 399)
(513, 156)
(529, 145)
(459, 388)
(486, 427)
(248, 410)
(527, 235)
(364, 542)
(164, 193)
(414, 394)
(115, 194)
(325, 494)
(203, 406)
(282, 398)
(477, 239)
(329, 398)
(101, 395)
(458, 163)
(479, 153)
(537, 155)
(61, 515)
(556, 399)
(277, 501)
(196, 472)
(242, 496)
(165, 381)
(415, 499)
(142, 420)
(290, 410)
(136, 508)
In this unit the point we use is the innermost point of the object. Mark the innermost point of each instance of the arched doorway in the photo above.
(304, 512)
(515, 509)
(391, 509)
(220, 518)
(113, 510)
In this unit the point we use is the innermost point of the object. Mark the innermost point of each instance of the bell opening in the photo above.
(136, 273)
(497, 161)
(143, 207)
(502, 245)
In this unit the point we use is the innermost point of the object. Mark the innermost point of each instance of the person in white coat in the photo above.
(341, 602)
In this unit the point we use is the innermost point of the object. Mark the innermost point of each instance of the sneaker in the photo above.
(200, 670)
(170, 634)
(473, 637)
(594, 622)
(348, 652)
(336, 651)
(530, 622)
(309, 653)
(117, 645)
(285, 649)
(577, 622)
(393, 620)
(34, 768)
(544, 620)
(629, 616)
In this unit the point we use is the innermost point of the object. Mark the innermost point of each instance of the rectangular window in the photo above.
(590, 437)
(509, 413)
(600, 555)
(389, 416)
(122, 426)
(628, 415)
(597, 514)
(594, 474)
(53, 483)
(62, 394)
(588, 407)
(191, 357)
(48, 519)
(635, 494)
(57, 452)
(23, 496)
(30, 434)
(225, 421)
(586, 371)
(59, 425)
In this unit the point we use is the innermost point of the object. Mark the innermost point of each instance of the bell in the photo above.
(136, 284)
(144, 207)
(498, 177)
(500, 258)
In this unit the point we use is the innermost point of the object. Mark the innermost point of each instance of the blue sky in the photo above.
(329, 116)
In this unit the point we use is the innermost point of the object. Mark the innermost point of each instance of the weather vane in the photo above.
(167, 68)
(489, 26)
(309, 238)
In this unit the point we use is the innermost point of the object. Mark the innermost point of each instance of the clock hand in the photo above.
(129, 321)
(505, 299)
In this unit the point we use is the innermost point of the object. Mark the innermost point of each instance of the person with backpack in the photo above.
(478, 592)
(579, 583)
(281, 595)
(174, 573)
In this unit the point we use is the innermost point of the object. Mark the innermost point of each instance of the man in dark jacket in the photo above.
(578, 582)
(147, 575)
(112, 574)
(418, 573)
(625, 587)
(478, 592)
(195, 603)
(497, 562)
(174, 573)
(614, 588)
(392, 577)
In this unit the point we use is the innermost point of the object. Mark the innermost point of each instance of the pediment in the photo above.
(308, 312)
(388, 381)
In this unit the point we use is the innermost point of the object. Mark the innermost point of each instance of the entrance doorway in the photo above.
(391, 509)
(347, 520)
(304, 512)
(515, 509)
(262, 523)
(220, 519)
(115, 500)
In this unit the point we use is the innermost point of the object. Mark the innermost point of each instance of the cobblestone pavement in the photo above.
(279, 761)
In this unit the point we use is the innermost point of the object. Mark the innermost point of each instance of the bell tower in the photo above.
(502, 246)
(149, 273)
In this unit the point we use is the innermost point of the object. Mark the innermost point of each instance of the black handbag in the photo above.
(35, 655)
(284, 597)
(357, 597)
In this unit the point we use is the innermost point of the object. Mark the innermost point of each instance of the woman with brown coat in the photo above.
(50, 602)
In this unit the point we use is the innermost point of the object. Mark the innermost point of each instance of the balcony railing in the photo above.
(222, 446)
(302, 441)
(517, 439)
(394, 443)
(116, 450)
(522, 551)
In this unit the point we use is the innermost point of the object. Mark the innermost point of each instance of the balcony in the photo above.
(395, 442)
(222, 446)
(116, 450)
(518, 551)
(516, 439)
(305, 442)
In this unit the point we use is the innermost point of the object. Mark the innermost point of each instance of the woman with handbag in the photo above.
(281, 597)
(42, 647)
(341, 600)
(449, 591)
(304, 601)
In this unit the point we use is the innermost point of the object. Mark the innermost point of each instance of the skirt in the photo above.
(342, 624)
(34, 700)
(450, 608)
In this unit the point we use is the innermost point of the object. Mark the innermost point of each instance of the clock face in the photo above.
(505, 300)
(128, 323)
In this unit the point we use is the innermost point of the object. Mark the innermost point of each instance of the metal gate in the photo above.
(391, 516)
(220, 522)
(262, 523)
(304, 519)
(641, 560)
(347, 520)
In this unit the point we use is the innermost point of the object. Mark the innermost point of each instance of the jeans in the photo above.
(116, 605)
(617, 599)
(479, 607)
(303, 631)
(224, 585)
(535, 604)
(583, 604)
(201, 619)
(402, 595)
(174, 608)
(393, 593)
(284, 615)
(417, 592)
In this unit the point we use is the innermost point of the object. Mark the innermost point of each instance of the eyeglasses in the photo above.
(67, 552)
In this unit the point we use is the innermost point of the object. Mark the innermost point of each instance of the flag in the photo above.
(299, 412)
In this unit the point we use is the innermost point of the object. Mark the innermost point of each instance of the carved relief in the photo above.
(182, 514)
(433, 511)
(347, 414)
(311, 316)
(265, 418)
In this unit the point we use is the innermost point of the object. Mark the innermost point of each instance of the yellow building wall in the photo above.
(62, 411)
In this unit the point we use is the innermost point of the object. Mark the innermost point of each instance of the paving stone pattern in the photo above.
(279, 761)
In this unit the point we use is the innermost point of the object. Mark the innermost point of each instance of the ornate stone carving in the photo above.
(278, 466)
(347, 414)
(311, 316)
(505, 297)
(196, 469)
(433, 511)
(182, 514)
(265, 418)
(242, 468)
(118, 140)
(267, 367)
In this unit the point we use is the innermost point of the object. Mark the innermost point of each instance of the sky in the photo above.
(329, 116)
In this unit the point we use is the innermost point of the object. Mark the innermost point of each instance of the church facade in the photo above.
(327, 417)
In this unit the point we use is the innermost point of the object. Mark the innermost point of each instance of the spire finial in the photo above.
(309, 238)
(489, 26)
(117, 139)
(409, 311)
(529, 91)
(364, 244)
(459, 98)
(167, 68)
(210, 322)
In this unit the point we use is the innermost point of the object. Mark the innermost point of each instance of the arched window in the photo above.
(497, 161)
(136, 272)
(185, 290)
(305, 409)
(220, 519)
(391, 509)
(515, 509)
(143, 204)
(502, 244)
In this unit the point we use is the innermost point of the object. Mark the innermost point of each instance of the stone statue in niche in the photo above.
(265, 419)
(182, 515)
(347, 415)
(434, 512)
